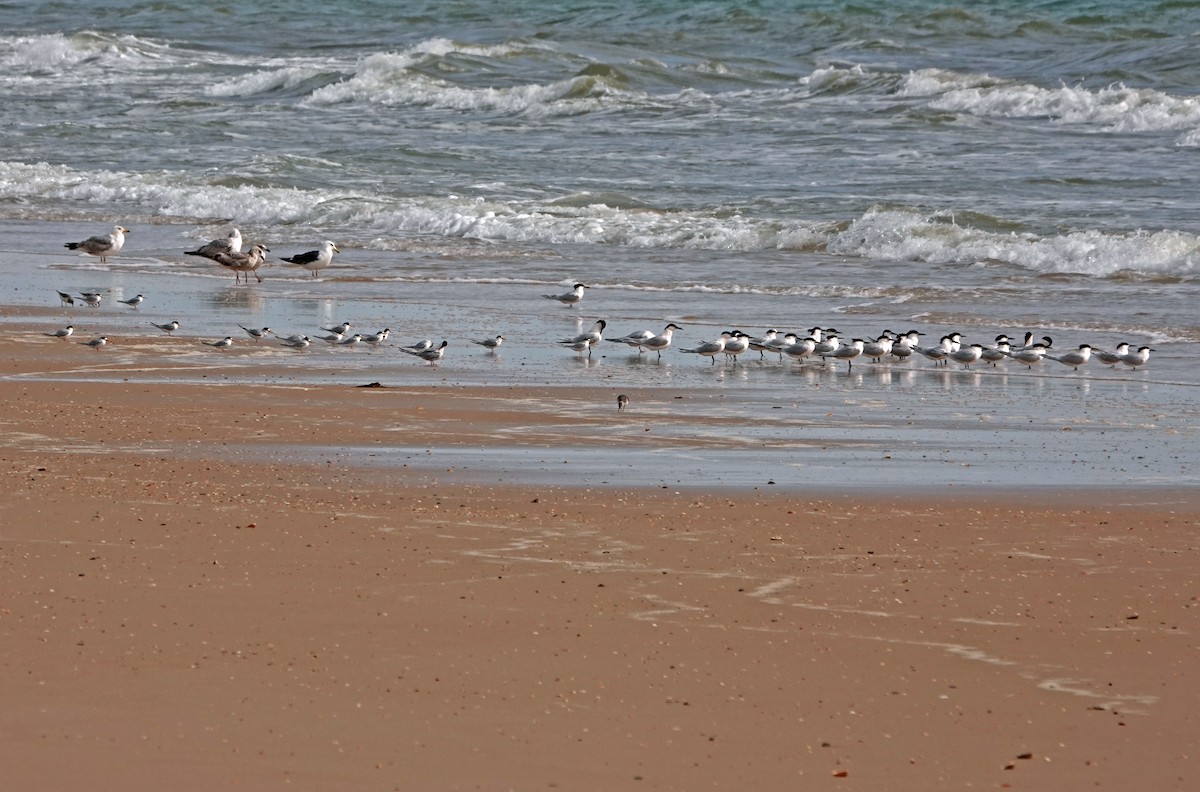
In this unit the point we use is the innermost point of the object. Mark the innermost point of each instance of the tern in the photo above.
(433, 355)
(848, 352)
(257, 335)
(711, 349)
(169, 327)
(64, 332)
(800, 348)
(341, 329)
(967, 355)
(102, 246)
(1112, 358)
(96, 343)
(91, 299)
(570, 298)
(375, 339)
(227, 341)
(489, 343)
(657, 343)
(879, 348)
(1074, 358)
(134, 302)
(1139, 358)
(1030, 356)
(296, 342)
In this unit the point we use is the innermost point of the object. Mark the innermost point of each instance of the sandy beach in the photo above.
(187, 600)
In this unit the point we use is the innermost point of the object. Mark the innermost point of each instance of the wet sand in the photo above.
(194, 593)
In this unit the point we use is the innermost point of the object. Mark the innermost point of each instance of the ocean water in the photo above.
(983, 167)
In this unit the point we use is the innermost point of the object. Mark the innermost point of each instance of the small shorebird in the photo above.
(66, 298)
(102, 246)
(622, 402)
(570, 298)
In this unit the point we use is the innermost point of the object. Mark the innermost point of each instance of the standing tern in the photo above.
(570, 298)
(224, 343)
(710, 349)
(169, 327)
(1074, 358)
(134, 302)
(1111, 359)
(967, 355)
(488, 343)
(433, 355)
(1137, 359)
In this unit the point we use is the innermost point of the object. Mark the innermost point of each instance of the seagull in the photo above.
(91, 298)
(338, 329)
(102, 246)
(490, 343)
(622, 402)
(169, 327)
(134, 302)
(296, 342)
(230, 244)
(421, 346)
(433, 354)
(570, 298)
(227, 341)
(247, 262)
(375, 339)
(1139, 358)
(1111, 359)
(1074, 358)
(711, 348)
(62, 333)
(96, 343)
(315, 260)
(257, 335)
(658, 342)
(66, 298)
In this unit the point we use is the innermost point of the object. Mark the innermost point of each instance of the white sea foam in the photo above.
(1115, 108)
(880, 234)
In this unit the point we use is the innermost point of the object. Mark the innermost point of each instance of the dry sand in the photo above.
(183, 604)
